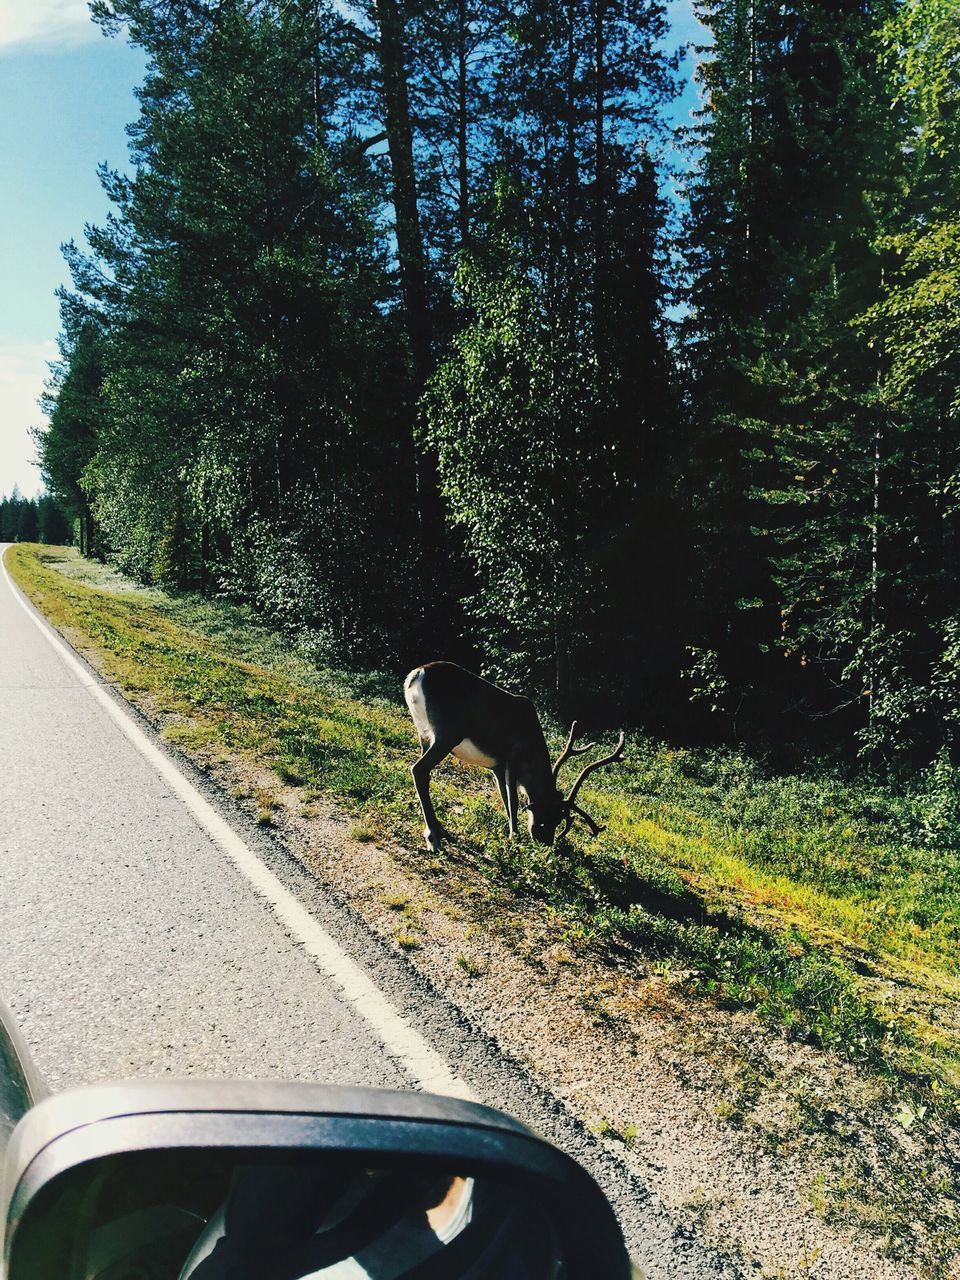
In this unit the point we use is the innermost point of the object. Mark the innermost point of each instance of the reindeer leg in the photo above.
(510, 801)
(499, 772)
(433, 831)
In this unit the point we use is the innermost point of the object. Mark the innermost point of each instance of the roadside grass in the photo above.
(797, 897)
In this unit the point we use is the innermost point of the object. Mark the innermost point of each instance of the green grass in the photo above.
(470, 967)
(797, 897)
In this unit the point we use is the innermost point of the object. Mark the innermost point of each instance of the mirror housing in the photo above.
(20, 1083)
(69, 1139)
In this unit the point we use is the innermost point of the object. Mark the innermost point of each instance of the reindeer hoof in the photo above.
(434, 839)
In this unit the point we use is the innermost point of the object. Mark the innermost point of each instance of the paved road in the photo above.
(131, 945)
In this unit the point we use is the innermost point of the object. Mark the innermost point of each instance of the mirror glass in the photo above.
(228, 1215)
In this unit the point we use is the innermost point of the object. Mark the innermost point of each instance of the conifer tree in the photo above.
(242, 285)
(913, 656)
(561, 369)
(75, 406)
(797, 178)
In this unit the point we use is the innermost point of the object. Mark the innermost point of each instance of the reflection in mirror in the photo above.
(214, 1215)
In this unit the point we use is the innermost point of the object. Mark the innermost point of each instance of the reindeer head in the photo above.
(543, 821)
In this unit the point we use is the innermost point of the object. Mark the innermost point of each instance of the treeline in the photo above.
(396, 332)
(32, 519)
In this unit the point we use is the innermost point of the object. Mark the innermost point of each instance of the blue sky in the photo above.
(66, 93)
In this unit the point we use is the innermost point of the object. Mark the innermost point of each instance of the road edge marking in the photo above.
(426, 1067)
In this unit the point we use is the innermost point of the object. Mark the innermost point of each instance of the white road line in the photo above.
(427, 1069)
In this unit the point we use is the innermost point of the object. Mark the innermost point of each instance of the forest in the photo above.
(32, 519)
(417, 326)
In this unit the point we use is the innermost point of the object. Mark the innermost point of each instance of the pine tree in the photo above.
(242, 283)
(797, 177)
(913, 657)
(551, 411)
(52, 525)
(75, 405)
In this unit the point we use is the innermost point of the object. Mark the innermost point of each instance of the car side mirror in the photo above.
(212, 1180)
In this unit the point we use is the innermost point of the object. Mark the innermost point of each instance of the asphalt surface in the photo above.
(130, 945)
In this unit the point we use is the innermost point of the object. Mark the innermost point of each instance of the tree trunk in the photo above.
(600, 170)
(463, 170)
(874, 574)
(437, 610)
(205, 559)
(399, 131)
(570, 157)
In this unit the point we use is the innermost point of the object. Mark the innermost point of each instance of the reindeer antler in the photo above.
(615, 754)
(569, 804)
(570, 750)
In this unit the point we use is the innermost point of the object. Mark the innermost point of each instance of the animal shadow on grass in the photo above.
(672, 918)
(624, 887)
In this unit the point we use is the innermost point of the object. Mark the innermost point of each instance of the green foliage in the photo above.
(339, 221)
(73, 400)
(237, 439)
(914, 323)
(510, 414)
(934, 805)
(32, 519)
(551, 465)
(823, 359)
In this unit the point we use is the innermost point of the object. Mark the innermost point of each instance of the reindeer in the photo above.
(456, 712)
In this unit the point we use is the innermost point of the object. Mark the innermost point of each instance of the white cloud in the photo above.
(23, 369)
(45, 23)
